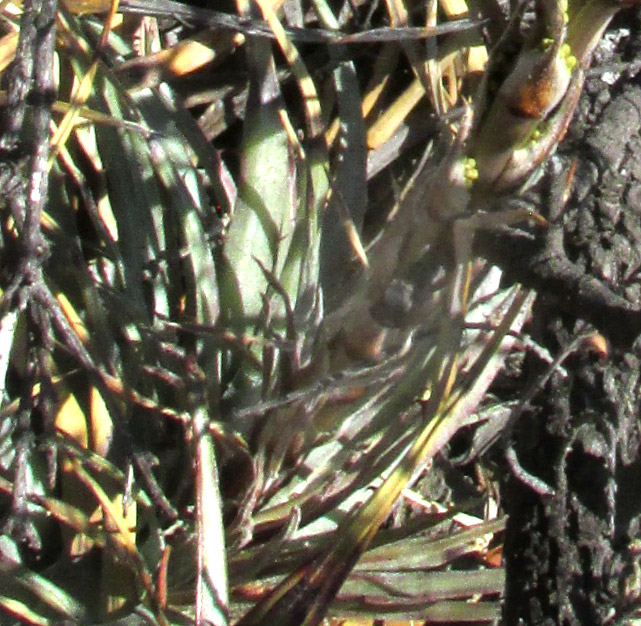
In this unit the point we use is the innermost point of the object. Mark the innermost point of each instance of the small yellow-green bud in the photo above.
(567, 56)
(470, 171)
(546, 44)
(563, 7)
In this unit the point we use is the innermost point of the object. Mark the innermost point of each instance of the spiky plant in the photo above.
(221, 367)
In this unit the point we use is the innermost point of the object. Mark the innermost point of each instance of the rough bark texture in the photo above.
(571, 557)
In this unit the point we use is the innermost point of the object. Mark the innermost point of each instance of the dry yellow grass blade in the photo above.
(304, 80)
(97, 117)
(9, 8)
(192, 54)
(80, 7)
(454, 8)
(82, 91)
(387, 124)
(73, 318)
(207, 48)
(383, 67)
(71, 420)
(119, 524)
(477, 58)
(440, 79)
(350, 229)
(8, 45)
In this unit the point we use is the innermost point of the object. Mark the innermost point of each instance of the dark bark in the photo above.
(570, 555)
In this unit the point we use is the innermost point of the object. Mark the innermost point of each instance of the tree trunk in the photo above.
(572, 556)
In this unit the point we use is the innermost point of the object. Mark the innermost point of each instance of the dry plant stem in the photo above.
(30, 79)
(257, 28)
(25, 177)
(24, 174)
